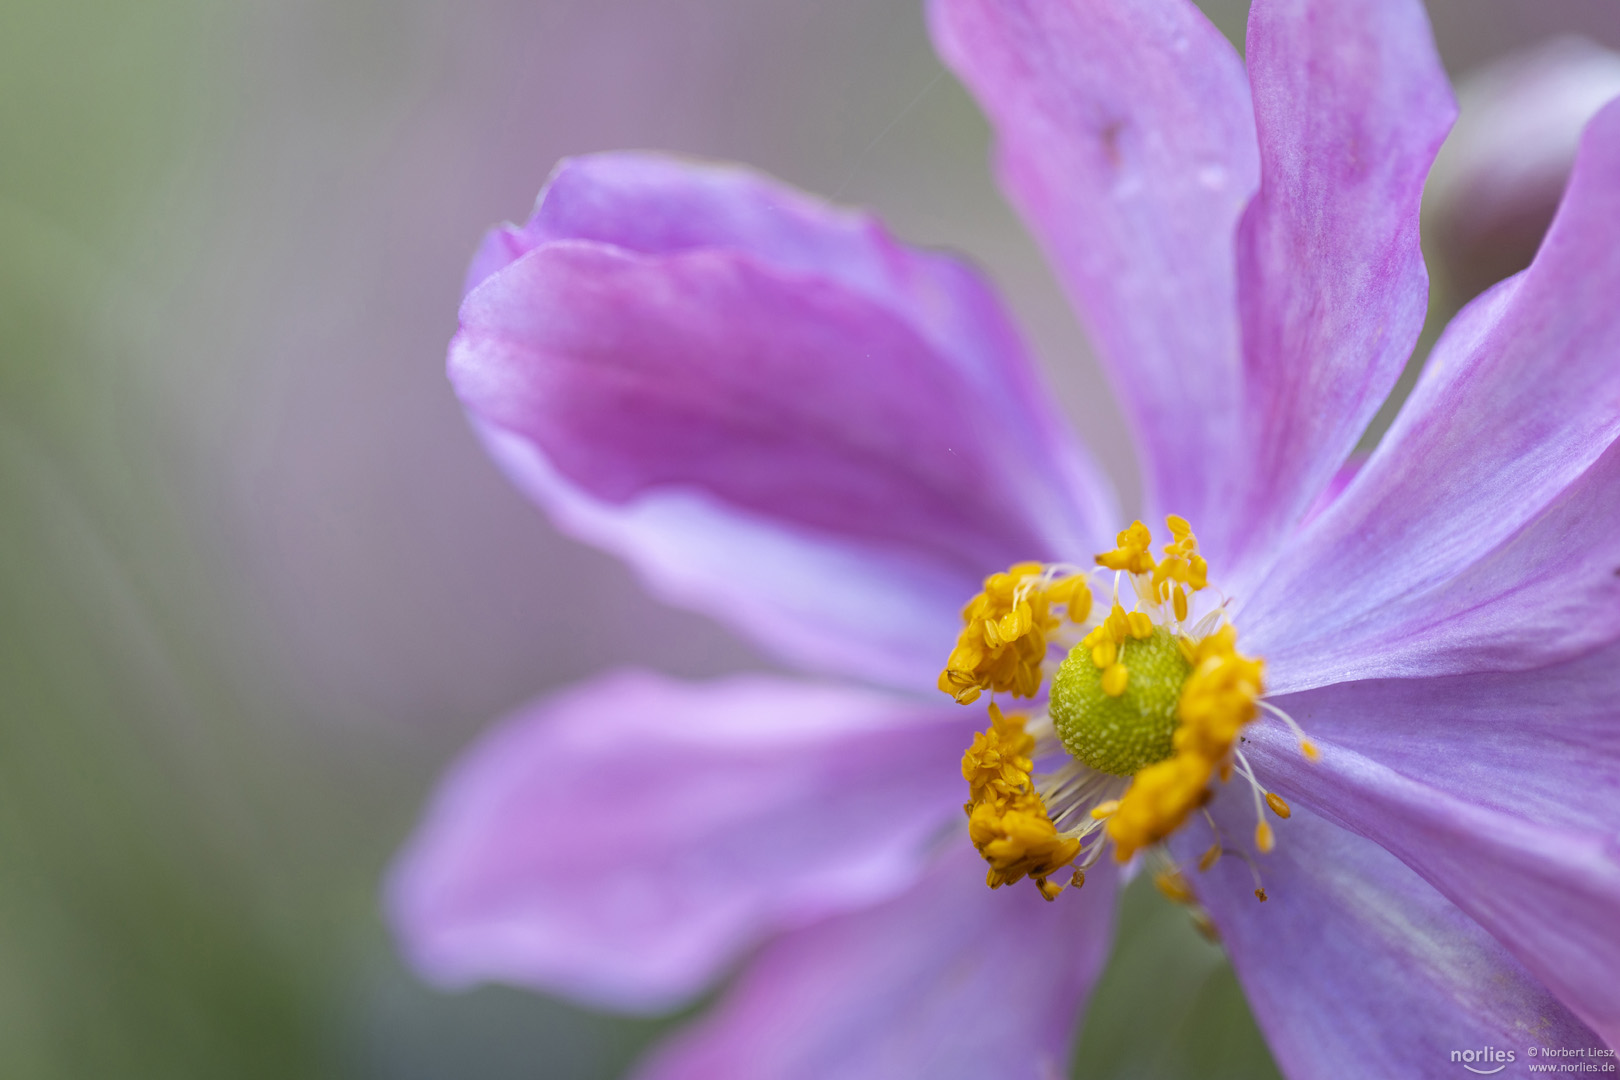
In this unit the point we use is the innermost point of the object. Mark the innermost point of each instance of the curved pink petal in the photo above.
(1351, 105)
(1125, 138)
(626, 841)
(1355, 967)
(1544, 744)
(1551, 590)
(948, 981)
(1499, 451)
(667, 332)
(831, 605)
(1502, 791)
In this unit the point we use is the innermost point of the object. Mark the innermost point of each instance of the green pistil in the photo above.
(1121, 735)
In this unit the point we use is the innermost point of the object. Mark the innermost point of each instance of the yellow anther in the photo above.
(1124, 675)
(1181, 564)
(998, 763)
(1206, 928)
(1017, 838)
(1218, 698)
(1174, 886)
(1260, 895)
(1007, 821)
(1118, 623)
(1074, 594)
(1003, 638)
(1132, 554)
(1157, 802)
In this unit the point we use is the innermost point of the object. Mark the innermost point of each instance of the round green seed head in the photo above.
(1121, 735)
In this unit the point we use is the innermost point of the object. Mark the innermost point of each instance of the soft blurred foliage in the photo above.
(256, 582)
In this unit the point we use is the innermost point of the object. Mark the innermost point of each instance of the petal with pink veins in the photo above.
(1351, 105)
(1480, 535)
(1508, 803)
(1355, 967)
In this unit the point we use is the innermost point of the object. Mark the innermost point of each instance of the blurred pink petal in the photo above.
(629, 840)
(949, 981)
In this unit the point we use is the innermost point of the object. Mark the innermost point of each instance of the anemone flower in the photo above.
(1364, 726)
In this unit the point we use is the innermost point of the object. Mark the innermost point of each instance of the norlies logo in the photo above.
(1486, 1057)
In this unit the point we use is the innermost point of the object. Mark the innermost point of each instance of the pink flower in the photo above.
(785, 418)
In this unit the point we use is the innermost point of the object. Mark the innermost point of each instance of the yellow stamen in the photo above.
(1217, 699)
(1118, 623)
(1158, 700)
(1074, 594)
(1007, 821)
(1004, 632)
(1174, 886)
(1132, 555)
(998, 763)
(1157, 802)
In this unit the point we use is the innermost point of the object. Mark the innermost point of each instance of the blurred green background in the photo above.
(257, 584)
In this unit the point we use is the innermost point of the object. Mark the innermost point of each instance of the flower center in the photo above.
(1124, 732)
(1144, 715)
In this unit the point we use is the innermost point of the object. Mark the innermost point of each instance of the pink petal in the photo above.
(1480, 534)
(626, 841)
(1357, 968)
(670, 340)
(948, 981)
(1351, 105)
(1125, 138)
(1502, 791)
